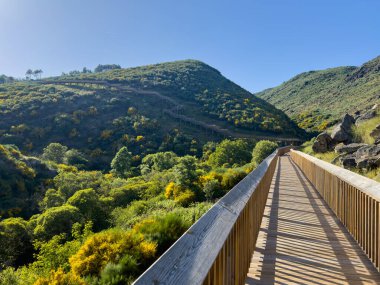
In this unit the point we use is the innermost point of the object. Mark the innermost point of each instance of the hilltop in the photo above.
(318, 99)
(174, 106)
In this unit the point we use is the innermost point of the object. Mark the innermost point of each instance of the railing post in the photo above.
(353, 198)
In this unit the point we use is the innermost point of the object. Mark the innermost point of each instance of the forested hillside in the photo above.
(174, 106)
(317, 99)
(100, 172)
(106, 228)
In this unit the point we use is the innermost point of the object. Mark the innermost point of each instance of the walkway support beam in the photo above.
(355, 199)
(217, 249)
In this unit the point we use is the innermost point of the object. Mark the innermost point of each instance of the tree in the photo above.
(158, 162)
(185, 171)
(56, 220)
(121, 163)
(262, 150)
(16, 247)
(37, 73)
(75, 158)
(105, 67)
(54, 152)
(28, 74)
(88, 203)
(53, 198)
(228, 153)
(212, 189)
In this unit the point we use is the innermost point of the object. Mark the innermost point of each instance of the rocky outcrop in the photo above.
(375, 133)
(323, 143)
(369, 114)
(368, 157)
(342, 132)
(348, 161)
(349, 148)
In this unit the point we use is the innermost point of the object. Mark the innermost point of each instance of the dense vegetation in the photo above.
(317, 99)
(93, 227)
(98, 119)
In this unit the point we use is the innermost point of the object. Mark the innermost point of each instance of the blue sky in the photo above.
(256, 43)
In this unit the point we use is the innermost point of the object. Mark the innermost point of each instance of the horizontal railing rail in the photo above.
(353, 198)
(217, 249)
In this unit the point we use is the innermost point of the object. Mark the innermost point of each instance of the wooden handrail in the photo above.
(217, 249)
(353, 198)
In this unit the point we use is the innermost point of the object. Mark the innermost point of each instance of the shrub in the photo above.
(163, 230)
(109, 246)
(15, 239)
(185, 198)
(56, 220)
(59, 277)
(212, 189)
(262, 150)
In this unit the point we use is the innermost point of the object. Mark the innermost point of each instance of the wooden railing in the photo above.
(217, 249)
(354, 199)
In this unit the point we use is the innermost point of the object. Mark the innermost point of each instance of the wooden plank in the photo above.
(301, 240)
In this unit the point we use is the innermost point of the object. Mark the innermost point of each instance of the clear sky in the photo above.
(256, 43)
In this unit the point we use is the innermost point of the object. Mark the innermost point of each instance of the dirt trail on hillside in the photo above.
(174, 110)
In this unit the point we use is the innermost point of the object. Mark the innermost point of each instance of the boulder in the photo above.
(349, 148)
(368, 157)
(348, 161)
(323, 143)
(342, 131)
(366, 116)
(375, 133)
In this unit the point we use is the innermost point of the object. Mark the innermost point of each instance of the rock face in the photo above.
(342, 132)
(349, 148)
(367, 115)
(323, 143)
(368, 157)
(348, 161)
(375, 133)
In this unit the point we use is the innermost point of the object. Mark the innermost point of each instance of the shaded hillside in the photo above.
(317, 99)
(22, 182)
(140, 108)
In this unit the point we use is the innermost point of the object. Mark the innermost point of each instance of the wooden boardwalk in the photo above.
(301, 241)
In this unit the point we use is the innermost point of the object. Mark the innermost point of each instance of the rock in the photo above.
(368, 156)
(322, 143)
(349, 148)
(366, 116)
(375, 133)
(374, 107)
(342, 131)
(348, 161)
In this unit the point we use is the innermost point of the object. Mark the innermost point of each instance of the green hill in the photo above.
(317, 99)
(171, 106)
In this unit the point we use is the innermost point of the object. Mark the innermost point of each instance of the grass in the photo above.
(327, 156)
(361, 134)
(363, 130)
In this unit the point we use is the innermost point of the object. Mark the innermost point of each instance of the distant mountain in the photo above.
(170, 106)
(316, 99)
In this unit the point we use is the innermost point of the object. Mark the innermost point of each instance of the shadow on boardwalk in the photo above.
(301, 241)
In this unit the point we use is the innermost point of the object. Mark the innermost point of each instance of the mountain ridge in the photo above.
(317, 99)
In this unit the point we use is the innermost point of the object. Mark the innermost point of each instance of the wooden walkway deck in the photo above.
(301, 241)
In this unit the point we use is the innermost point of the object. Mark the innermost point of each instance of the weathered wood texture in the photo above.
(353, 198)
(301, 241)
(217, 249)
